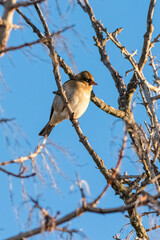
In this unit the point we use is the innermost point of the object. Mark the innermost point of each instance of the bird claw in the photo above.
(57, 93)
(75, 123)
(72, 116)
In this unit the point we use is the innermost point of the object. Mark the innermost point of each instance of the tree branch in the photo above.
(79, 211)
(24, 4)
(100, 43)
(6, 29)
(41, 40)
(30, 156)
(106, 108)
(17, 175)
(147, 36)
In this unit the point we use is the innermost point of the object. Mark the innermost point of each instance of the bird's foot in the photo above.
(72, 117)
(57, 93)
(74, 120)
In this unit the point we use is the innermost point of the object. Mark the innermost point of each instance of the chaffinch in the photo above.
(78, 92)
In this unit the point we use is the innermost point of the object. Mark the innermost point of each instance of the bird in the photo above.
(78, 92)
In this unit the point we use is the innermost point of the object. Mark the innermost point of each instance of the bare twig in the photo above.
(4, 120)
(28, 21)
(152, 64)
(17, 175)
(62, 63)
(30, 156)
(121, 155)
(153, 228)
(29, 44)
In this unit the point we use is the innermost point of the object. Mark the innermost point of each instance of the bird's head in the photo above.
(86, 76)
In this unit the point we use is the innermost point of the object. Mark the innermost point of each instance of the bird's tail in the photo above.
(46, 130)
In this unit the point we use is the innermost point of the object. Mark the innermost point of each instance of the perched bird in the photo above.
(78, 92)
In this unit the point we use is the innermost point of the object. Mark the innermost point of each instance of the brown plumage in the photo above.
(78, 92)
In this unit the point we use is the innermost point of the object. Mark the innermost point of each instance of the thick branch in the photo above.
(106, 108)
(23, 4)
(6, 29)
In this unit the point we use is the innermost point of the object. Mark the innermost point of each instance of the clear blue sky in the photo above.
(30, 82)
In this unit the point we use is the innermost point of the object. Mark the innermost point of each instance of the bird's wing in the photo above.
(57, 105)
(71, 88)
(52, 110)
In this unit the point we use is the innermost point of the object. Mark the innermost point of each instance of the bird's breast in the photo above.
(79, 102)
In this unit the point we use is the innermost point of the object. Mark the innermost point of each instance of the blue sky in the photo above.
(29, 79)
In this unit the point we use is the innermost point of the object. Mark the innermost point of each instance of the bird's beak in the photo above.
(93, 83)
